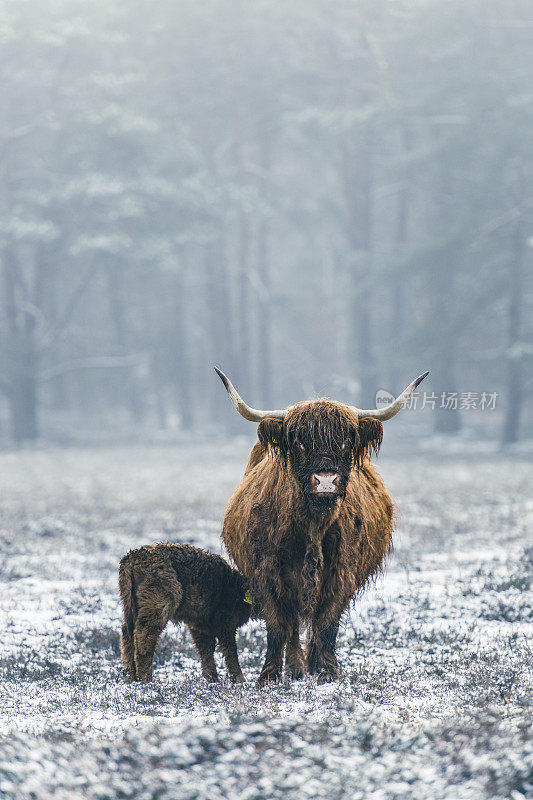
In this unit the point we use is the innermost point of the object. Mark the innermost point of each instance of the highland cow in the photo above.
(309, 524)
(177, 582)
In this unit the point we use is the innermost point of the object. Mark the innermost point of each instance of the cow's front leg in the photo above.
(271, 671)
(294, 657)
(321, 658)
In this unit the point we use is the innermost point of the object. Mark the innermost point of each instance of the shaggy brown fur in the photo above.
(306, 556)
(177, 582)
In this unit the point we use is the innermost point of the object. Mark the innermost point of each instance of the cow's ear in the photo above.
(270, 432)
(370, 435)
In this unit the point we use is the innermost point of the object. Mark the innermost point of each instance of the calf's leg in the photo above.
(148, 628)
(205, 644)
(228, 645)
(127, 654)
(157, 598)
(129, 606)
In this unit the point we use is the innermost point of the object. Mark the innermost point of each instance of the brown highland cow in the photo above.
(177, 582)
(309, 524)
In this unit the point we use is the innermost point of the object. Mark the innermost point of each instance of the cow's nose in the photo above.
(325, 482)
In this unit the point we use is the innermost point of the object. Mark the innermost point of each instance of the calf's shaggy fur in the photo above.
(177, 582)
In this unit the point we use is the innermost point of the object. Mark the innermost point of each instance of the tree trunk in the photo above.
(398, 299)
(22, 362)
(443, 300)
(244, 298)
(264, 316)
(219, 322)
(158, 392)
(359, 189)
(514, 378)
(182, 376)
(447, 420)
(128, 381)
(60, 388)
(23, 407)
(264, 355)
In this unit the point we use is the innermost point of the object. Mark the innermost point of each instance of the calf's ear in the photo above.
(270, 432)
(370, 435)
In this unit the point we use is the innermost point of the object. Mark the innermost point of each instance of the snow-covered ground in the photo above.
(436, 658)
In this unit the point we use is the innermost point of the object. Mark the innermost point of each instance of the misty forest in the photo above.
(321, 199)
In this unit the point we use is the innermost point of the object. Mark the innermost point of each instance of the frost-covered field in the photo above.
(436, 659)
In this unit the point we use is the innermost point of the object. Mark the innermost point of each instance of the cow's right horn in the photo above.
(252, 414)
(392, 409)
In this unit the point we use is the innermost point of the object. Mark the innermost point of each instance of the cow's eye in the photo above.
(300, 445)
(345, 444)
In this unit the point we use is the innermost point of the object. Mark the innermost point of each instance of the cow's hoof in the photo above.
(268, 678)
(328, 676)
(296, 672)
(237, 678)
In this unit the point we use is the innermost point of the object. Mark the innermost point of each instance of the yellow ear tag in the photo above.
(248, 597)
(274, 441)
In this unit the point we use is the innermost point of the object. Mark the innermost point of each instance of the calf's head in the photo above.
(321, 440)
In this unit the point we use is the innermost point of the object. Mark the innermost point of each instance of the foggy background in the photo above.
(319, 198)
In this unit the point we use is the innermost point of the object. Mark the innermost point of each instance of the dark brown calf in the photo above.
(177, 582)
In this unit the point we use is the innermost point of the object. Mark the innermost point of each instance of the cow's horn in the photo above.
(252, 414)
(392, 409)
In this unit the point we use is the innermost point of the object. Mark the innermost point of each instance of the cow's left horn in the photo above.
(252, 414)
(392, 409)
